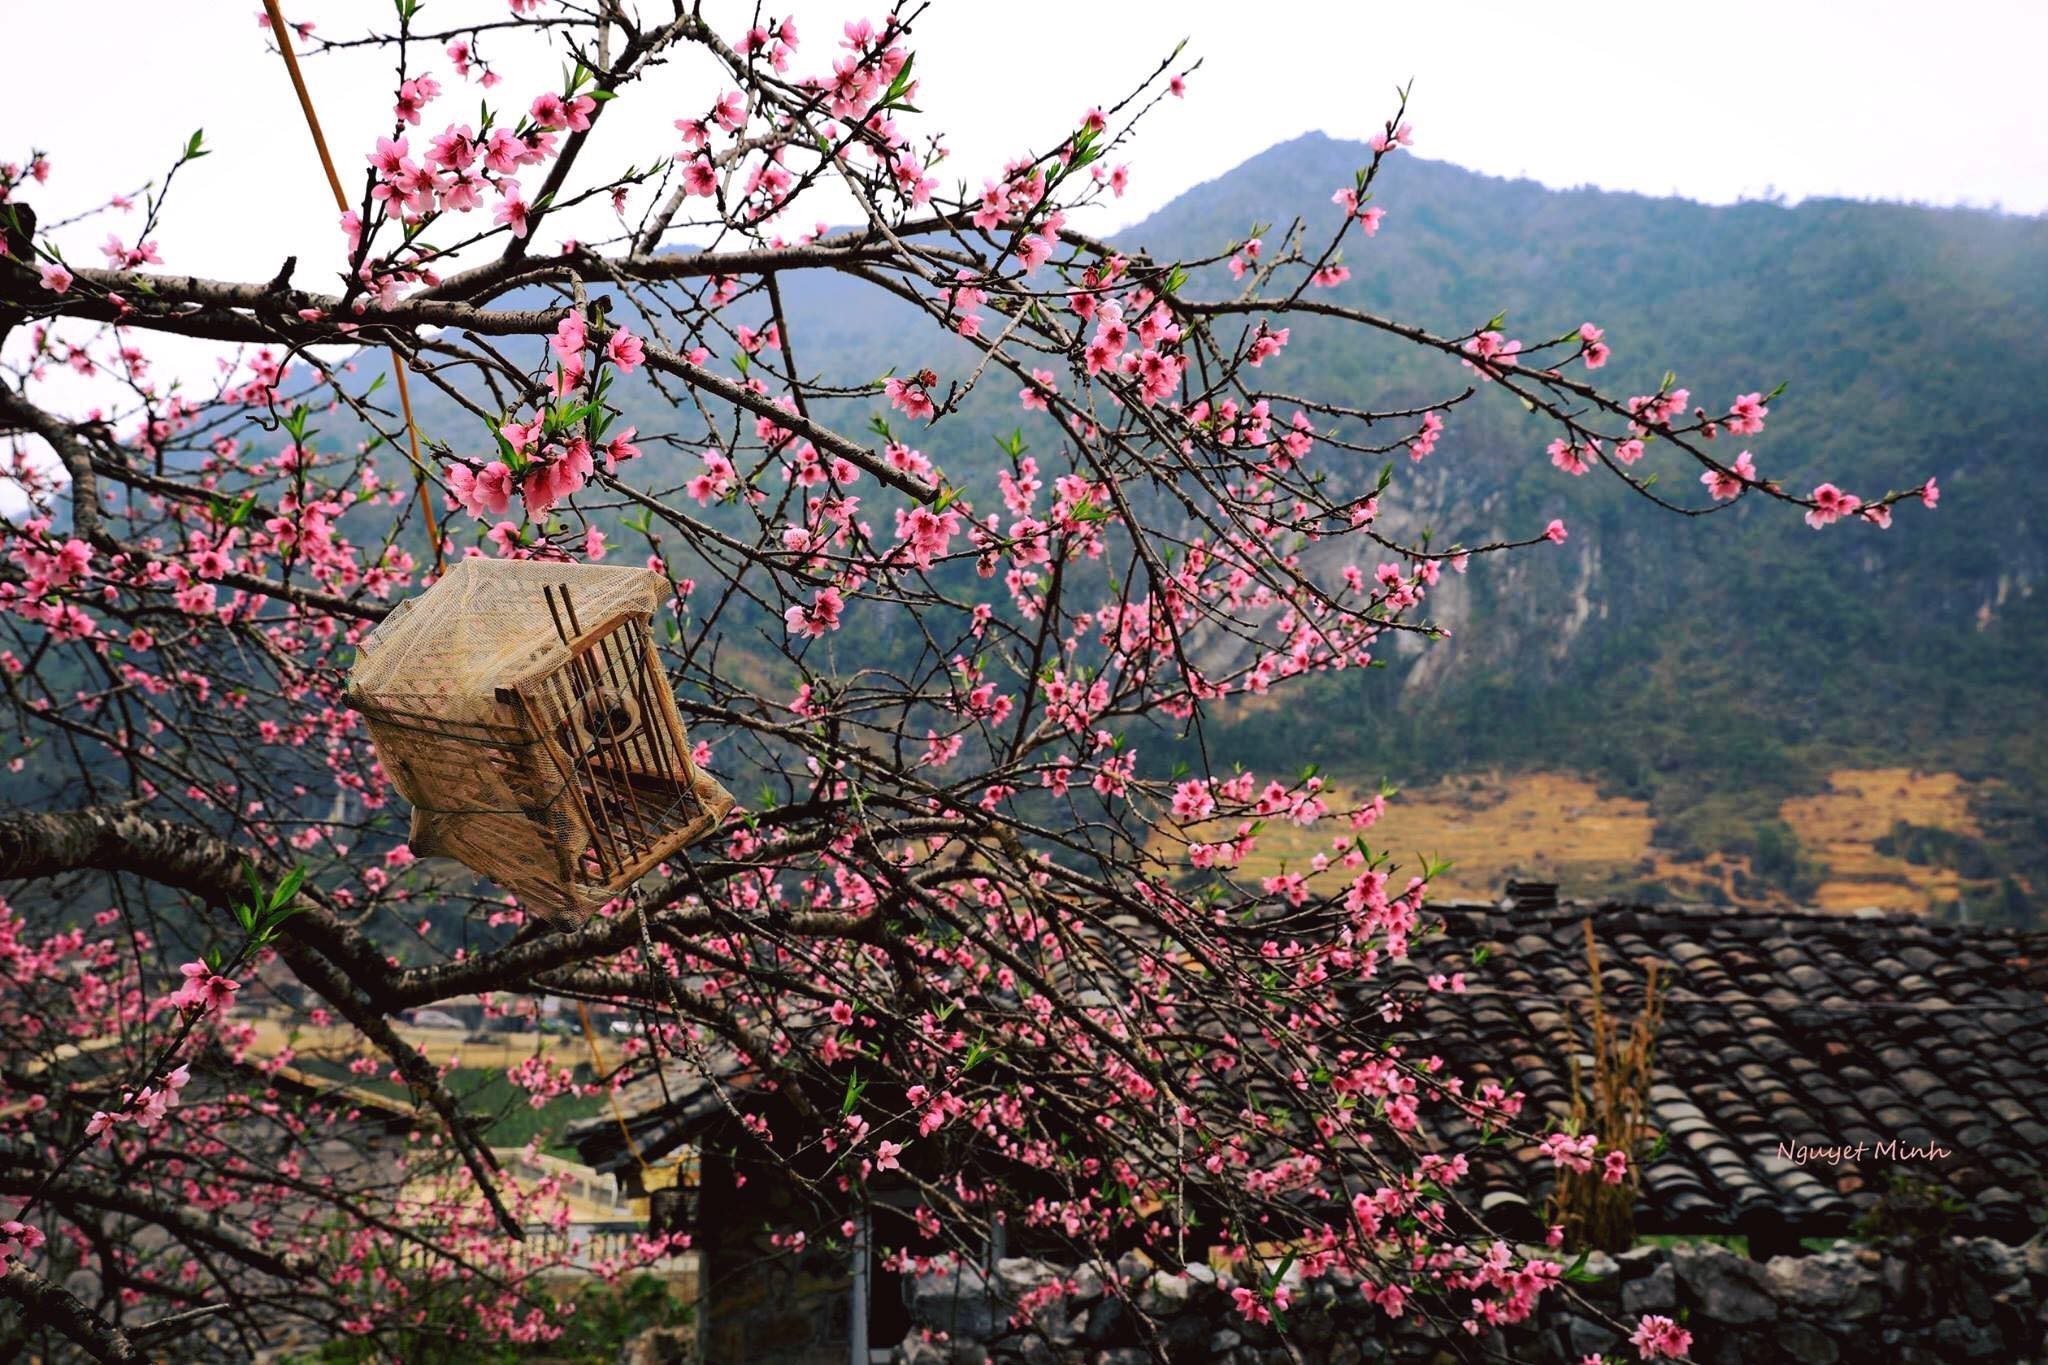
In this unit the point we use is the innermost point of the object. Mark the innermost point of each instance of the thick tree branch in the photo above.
(45, 1304)
(39, 844)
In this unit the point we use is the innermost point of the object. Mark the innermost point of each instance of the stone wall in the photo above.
(1961, 1300)
(760, 1300)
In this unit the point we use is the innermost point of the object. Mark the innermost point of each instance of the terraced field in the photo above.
(1840, 826)
(1556, 826)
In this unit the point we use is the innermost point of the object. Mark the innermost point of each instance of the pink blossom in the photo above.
(700, 177)
(1367, 216)
(1657, 1336)
(1572, 459)
(625, 350)
(912, 395)
(569, 339)
(1248, 1306)
(504, 151)
(521, 435)
(1192, 801)
(17, 1239)
(56, 278)
(413, 96)
(512, 210)
(1266, 344)
(1746, 415)
(545, 485)
(454, 148)
(1830, 504)
(203, 989)
(391, 156)
(1572, 1153)
(1729, 485)
(1596, 351)
(1035, 395)
(487, 492)
(1555, 531)
(620, 449)
(925, 534)
(1383, 142)
(820, 616)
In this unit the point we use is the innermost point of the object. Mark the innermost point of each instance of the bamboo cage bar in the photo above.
(549, 758)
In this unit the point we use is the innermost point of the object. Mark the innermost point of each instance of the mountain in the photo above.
(1713, 666)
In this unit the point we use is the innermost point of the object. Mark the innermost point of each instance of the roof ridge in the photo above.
(1743, 919)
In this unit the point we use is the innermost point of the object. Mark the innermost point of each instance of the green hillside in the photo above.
(1730, 660)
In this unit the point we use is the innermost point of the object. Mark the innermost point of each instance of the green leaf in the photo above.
(902, 82)
(288, 888)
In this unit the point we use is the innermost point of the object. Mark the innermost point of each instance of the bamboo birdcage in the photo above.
(544, 755)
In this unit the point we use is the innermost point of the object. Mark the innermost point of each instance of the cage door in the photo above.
(618, 740)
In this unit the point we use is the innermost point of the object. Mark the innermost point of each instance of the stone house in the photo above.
(1817, 1076)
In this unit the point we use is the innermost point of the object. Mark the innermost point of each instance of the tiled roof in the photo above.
(1782, 1031)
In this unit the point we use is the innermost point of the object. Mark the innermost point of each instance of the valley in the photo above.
(1844, 853)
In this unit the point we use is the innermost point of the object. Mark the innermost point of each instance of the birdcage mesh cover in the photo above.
(481, 708)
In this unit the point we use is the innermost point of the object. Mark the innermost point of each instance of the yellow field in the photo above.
(342, 1043)
(1552, 826)
(1838, 827)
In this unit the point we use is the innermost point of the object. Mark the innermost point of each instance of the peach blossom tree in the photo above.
(980, 927)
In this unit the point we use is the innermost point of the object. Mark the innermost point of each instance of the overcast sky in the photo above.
(1715, 101)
